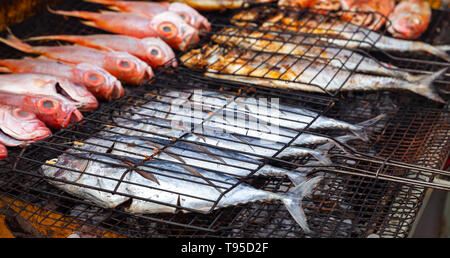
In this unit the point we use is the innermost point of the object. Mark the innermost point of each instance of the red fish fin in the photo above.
(90, 23)
(78, 14)
(16, 43)
(4, 69)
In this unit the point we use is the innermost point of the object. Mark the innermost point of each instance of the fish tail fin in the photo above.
(293, 200)
(69, 38)
(362, 131)
(424, 86)
(320, 154)
(79, 14)
(16, 43)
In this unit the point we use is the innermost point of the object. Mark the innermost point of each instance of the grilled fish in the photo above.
(122, 65)
(410, 19)
(55, 112)
(19, 127)
(160, 186)
(307, 47)
(281, 71)
(336, 31)
(48, 85)
(150, 9)
(154, 51)
(167, 25)
(98, 81)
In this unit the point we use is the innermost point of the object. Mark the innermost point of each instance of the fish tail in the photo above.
(424, 86)
(320, 153)
(293, 200)
(362, 129)
(16, 43)
(79, 14)
(69, 38)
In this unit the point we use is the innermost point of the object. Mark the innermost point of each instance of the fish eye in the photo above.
(125, 64)
(167, 29)
(94, 78)
(154, 52)
(47, 105)
(184, 16)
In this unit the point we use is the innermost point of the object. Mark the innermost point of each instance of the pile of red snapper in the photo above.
(52, 90)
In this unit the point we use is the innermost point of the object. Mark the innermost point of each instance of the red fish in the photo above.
(3, 152)
(410, 19)
(122, 65)
(150, 9)
(154, 50)
(169, 26)
(54, 112)
(98, 81)
(376, 12)
(48, 85)
(19, 127)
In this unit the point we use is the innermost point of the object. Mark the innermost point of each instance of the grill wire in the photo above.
(344, 205)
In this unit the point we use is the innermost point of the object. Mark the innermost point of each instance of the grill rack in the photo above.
(324, 221)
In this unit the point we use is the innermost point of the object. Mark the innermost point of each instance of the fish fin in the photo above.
(147, 175)
(320, 153)
(90, 23)
(196, 173)
(293, 200)
(362, 131)
(424, 86)
(105, 2)
(16, 43)
(78, 14)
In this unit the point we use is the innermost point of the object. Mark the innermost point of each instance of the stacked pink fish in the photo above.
(51, 91)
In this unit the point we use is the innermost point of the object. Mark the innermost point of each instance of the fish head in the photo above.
(174, 30)
(100, 82)
(55, 112)
(408, 25)
(22, 125)
(158, 53)
(191, 16)
(76, 93)
(67, 167)
(3, 152)
(128, 68)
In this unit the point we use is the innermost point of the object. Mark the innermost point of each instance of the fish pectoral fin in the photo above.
(173, 155)
(208, 152)
(196, 173)
(147, 175)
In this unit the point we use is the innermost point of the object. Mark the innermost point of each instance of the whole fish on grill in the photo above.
(307, 47)
(288, 72)
(98, 81)
(167, 25)
(410, 19)
(157, 186)
(152, 50)
(48, 85)
(199, 156)
(150, 9)
(122, 65)
(19, 127)
(284, 116)
(336, 31)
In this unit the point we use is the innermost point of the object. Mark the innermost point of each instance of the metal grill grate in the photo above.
(343, 205)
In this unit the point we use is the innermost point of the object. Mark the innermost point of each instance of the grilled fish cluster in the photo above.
(67, 79)
(308, 52)
(164, 159)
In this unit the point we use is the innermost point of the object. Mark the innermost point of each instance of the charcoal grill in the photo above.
(374, 188)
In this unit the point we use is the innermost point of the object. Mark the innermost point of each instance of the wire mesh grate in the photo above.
(343, 205)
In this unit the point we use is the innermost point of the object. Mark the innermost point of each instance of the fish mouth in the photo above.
(189, 39)
(89, 105)
(117, 91)
(73, 117)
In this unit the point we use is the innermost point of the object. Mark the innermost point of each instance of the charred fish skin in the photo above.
(309, 48)
(281, 71)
